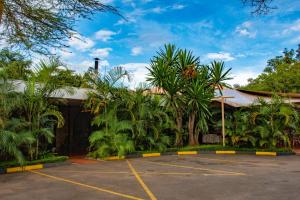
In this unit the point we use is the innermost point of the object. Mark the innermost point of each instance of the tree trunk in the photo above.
(1, 10)
(191, 127)
(179, 141)
(37, 148)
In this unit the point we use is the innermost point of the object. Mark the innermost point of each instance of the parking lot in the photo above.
(166, 177)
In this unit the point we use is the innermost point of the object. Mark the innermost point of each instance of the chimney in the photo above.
(96, 64)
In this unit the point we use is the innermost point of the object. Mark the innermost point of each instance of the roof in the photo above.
(71, 93)
(242, 98)
(238, 98)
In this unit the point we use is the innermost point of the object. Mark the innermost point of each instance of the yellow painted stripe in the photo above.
(115, 158)
(151, 155)
(225, 152)
(140, 180)
(258, 153)
(187, 152)
(196, 168)
(25, 168)
(87, 186)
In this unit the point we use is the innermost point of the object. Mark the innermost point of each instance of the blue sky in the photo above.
(212, 29)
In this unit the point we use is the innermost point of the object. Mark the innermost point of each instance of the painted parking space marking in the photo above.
(118, 172)
(140, 180)
(86, 186)
(196, 168)
(234, 161)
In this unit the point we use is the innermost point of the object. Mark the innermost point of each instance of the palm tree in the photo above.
(198, 97)
(112, 138)
(149, 120)
(12, 137)
(275, 121)
(219, 75)
(163, 73)
(38, 112)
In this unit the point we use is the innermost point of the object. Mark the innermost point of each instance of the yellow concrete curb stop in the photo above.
(258, 153)
(24, 168)
(225, 152)
(187, 152)
(151, 155)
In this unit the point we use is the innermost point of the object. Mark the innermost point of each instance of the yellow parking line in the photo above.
(93, 172)
(196, 168)
(233, 161)
(140, 180)
(221, 174)
(164, 173)
(87, 186)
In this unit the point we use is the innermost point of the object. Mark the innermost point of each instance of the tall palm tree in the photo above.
(275, 121)
(113, 136)
(219, 74)
(198, 97)
(163, 73)
(38, 112)
(11, 138)
(149, 120)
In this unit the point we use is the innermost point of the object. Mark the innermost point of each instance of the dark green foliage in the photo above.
(27, 119)
(188, 88)
(281, 75)
(267, 124)
(15, 65)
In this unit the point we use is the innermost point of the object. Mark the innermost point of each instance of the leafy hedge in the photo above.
(52, 159)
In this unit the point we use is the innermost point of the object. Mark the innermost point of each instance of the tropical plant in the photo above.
(188, 87)
(34, 103)
(275, 121)
(12, 132)
(163, 73)
(112, 138)
(149, 120)
(106, 88)
(239, 131)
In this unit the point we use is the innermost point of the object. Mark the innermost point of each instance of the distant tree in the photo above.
(14, 64)
(298, 53)
(40, 25)
(260, 7)
(280, 75)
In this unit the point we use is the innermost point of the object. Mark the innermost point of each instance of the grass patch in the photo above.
(52, 159)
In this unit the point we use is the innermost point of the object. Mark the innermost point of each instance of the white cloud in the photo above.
(158, 10)
(295, 27)
(81, 43)
(178, 6)
(244, 30)
(104, 35)
(136, 51)
(241, 77)
(101, 53)
(107, 1)
(138, 72)
(83, 66)
(220, 56)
